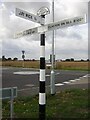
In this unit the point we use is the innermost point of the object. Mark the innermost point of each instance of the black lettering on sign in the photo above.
(57, 25)
(74, 21)
(21, 13)
(33, 31)
(50, 26)
(35, 18)
(63, 23)
(28, 32)
(67, 22)
(78, 20)
(70, 22)
(29, 16)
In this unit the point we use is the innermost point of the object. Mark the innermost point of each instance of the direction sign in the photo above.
(28, 16)
(62, 24)
(53, 26)
(6, 92)
(26, 32)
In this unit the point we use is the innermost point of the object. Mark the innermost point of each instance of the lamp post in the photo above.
(52, 58)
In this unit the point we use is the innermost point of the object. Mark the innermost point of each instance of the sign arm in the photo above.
(53, 26)
(28, 16)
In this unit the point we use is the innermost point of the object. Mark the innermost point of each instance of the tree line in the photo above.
(16, 59)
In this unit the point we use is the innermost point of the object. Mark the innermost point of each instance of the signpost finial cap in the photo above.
(43, 11)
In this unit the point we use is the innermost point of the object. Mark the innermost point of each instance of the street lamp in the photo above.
(52, 58)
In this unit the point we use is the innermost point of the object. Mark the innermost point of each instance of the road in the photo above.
(28, 79)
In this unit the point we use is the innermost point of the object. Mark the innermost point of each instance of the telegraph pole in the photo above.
(52, 57)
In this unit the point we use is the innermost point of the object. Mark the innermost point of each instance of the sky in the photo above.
(71, 42)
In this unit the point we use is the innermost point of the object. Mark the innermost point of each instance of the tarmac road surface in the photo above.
(27, 80)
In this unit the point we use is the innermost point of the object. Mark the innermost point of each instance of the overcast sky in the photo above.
(70, 42)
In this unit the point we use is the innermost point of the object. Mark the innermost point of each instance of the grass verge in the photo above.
(68, 104)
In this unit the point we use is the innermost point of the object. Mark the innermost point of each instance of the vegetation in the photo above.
(65, 104)
(71, 65)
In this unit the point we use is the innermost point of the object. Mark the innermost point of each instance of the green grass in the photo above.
(66, 104)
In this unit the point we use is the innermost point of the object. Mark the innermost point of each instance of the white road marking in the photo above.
(77, 79)
(85, 76)
(26, 73)
(66, 82)
(47, 75)
(30, 85)
(72, 80)
(59, 84)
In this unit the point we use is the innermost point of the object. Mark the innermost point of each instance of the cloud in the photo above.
(69, 41)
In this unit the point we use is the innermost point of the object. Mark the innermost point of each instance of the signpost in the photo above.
(53, 26)
(9, 93)
(41, 30)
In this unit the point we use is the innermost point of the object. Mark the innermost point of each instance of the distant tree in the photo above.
(9, 59)
(15, 59)
(88, 60)
(3, 58)
(67, 60)
(82, 60)
(33, 59)
(72, 59)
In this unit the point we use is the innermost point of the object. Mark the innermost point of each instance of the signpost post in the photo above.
(42, 96)
(41, 30)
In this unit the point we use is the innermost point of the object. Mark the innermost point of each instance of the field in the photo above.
(59, 65)
(73, 65)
